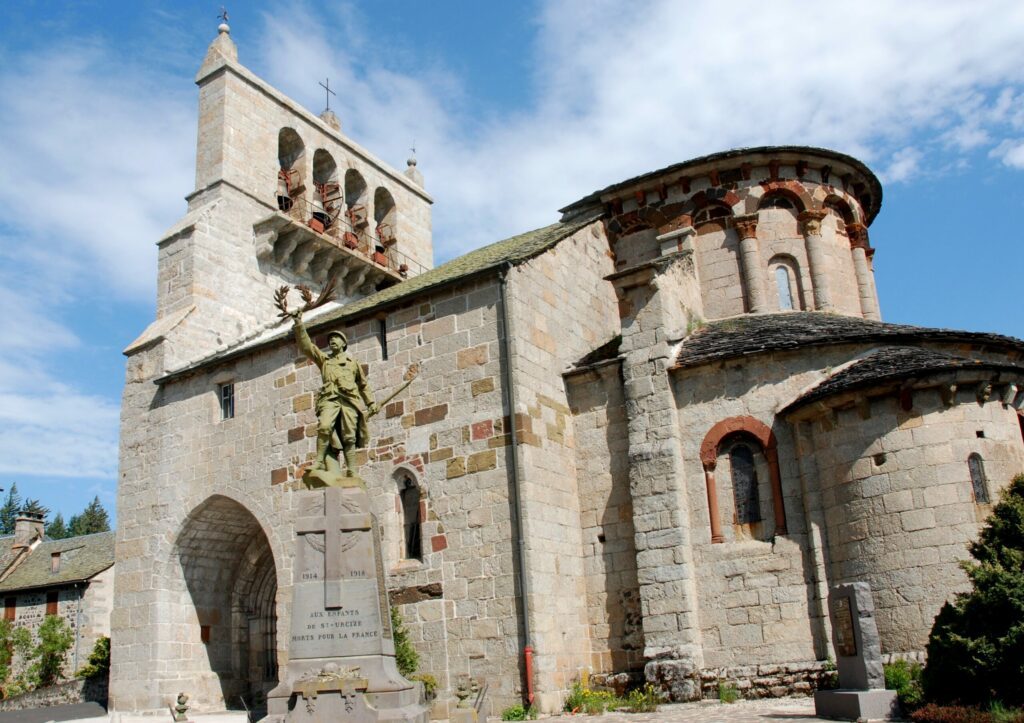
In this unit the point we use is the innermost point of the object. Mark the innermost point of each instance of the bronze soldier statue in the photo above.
(344, 402)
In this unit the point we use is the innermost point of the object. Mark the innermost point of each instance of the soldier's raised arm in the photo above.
(305, 344)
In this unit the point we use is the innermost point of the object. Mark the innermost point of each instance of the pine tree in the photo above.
(9, 511)
(57, 530)
(93, 519)
(976, 647)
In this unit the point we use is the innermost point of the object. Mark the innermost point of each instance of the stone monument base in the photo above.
(856, 704)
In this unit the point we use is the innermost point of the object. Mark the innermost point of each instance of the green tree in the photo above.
(34, 508)
(9, 511)
(56, 529)
(14, 641)
(93, 519)
(99, 660)
(976, 646)
(55, 640)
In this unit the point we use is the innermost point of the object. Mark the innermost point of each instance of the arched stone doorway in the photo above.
(229, 573)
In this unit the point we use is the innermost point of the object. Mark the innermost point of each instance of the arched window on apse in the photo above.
(409, 497)
(785, 272)
(746, 497)
(711, 218)
(742, 452)
(979, 484)
(327, 204)
(290, 173)
(355, 202)
(840, 211)
(776, 200)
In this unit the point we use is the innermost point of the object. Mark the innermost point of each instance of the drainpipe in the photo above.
(517, 520)
(78, 621)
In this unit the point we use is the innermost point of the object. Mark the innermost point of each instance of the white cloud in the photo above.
(1011, 153)
(620, 94)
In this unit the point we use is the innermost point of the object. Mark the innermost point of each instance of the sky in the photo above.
(515, 110)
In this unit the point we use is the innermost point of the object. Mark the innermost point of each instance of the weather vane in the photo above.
(223, 14)
(327, 86)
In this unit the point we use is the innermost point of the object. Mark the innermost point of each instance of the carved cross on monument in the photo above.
(334, 523)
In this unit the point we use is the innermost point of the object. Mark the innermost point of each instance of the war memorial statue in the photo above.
(345, 401)
(341, 652)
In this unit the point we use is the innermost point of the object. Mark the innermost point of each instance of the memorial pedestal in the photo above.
(341, 652)
(856, 704)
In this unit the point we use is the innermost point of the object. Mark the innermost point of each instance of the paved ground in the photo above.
(54, 713)
(777, 710)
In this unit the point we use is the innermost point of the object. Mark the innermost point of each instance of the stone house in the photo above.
(647, 437)
(72, 578)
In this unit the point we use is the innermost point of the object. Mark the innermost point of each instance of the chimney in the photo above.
(26, 530)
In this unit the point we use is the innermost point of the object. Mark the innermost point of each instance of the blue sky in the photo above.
(516, 109)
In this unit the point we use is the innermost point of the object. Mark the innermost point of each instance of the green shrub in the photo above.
(406, 657)
(905, 679)
(591, 702)
(99, 660)
(518, 712)
(976, 646)
(429, 684)
(14, 641)
(643, 700)
(55, 640)
(727, 693)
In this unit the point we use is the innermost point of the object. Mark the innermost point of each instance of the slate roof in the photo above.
(514, 250)
(760, 333)
(81, 558)
(736, 153)
(892, 363)
(510, 251)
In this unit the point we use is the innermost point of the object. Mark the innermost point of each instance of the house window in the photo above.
(978, 483)
(744, 484)
(51, 603)
(410, 497)
(226, 394)
(10, 608)
(55, 562)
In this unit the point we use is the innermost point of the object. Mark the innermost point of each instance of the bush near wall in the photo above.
(976, 647)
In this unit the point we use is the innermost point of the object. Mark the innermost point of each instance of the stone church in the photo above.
(644, 439)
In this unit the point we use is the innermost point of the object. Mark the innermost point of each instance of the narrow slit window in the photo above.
(978, 483)
(226, 392)
(744, 484)
(784, 288)
(410, 496)
(382, 335)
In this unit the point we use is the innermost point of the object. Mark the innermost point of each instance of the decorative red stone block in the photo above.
(483, 430)
(278, 476)
(438, 543)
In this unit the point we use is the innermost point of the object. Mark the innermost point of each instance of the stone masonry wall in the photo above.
(898, 501)
(606, 519)
(757, 596)
(561, 309)
(86, 612)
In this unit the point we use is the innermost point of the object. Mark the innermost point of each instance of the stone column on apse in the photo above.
(860, 248)
(750, 256)
(810, 223)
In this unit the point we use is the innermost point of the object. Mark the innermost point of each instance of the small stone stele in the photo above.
(861, 693)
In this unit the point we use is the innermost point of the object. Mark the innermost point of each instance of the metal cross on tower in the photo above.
(327, 86)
